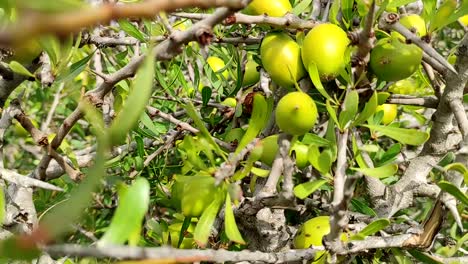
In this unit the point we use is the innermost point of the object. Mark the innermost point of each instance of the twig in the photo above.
(338, 218)
(276, 168)
(289, 20)
(460, 116)
(228, 168)
(55, 103)
(179, 255)
(149, 158)
(24, 181)
(68, 22)
(427, 101)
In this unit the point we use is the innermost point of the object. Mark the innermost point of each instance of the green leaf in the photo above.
(454, 191)
(334, 10)
(51, 45)
(75, 69)
(321, 161)
(380, 172)
(131, 30)
(423, 257)
(301, 7)
(203, 228)
(459, 167)
(440, 20)
(230, 225)
(192, 113)
(362, 207)
(314, 139)
(148, 123)
(382, 97)
(332, 111)
(351, 102)
(390, 155)
(315, 77)
(258, 120)
(398, 3)
(260, 172)
(403, 135)
(372, 228)
(206, 95)
(20, 69)
(57, 220)
(128, 216)
(303, 190)
(136, 101)
(368, 111)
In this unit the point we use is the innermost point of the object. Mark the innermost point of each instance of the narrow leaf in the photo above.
(303, 190)
(454, 191)
(131, 30)
(129, 215)
(203, 228)
(135, 103)
(230, 225)
(380, 172)
(75, 69)
(368, 111)
(362, 208)
(20, 69)
(258, 120)
(315, 77)
(372, 228)
(403, 135)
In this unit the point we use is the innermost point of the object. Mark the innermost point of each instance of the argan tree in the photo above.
(264, 131)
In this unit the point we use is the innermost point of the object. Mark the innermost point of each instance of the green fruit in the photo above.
(274, 8)
(177, 192)
(301, 151)
(296, 113)
(230, 101)
(325, 45)
(393, 60)
(251, 74)
(406, 86)
(390, 112)
(415, 23)
(270, 148)
(216, 64)
(281, 58)
(234, 134)
(198, 195)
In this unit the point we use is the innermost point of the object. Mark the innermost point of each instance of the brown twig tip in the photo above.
(230, 20)
(392, 18)
(204, 36)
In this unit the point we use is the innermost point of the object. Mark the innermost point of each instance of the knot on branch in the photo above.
(204, 36)
(391, 18)
(230, 20)
(354, 37)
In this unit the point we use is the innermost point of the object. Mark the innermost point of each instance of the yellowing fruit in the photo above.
(464, 20)
(414, 23)
(325, 45)
(393, 60)
(296, 113)
(230, 101)
(405, 86)
(390, 112)
(281, 58)
(274, 8)
(216, 64)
